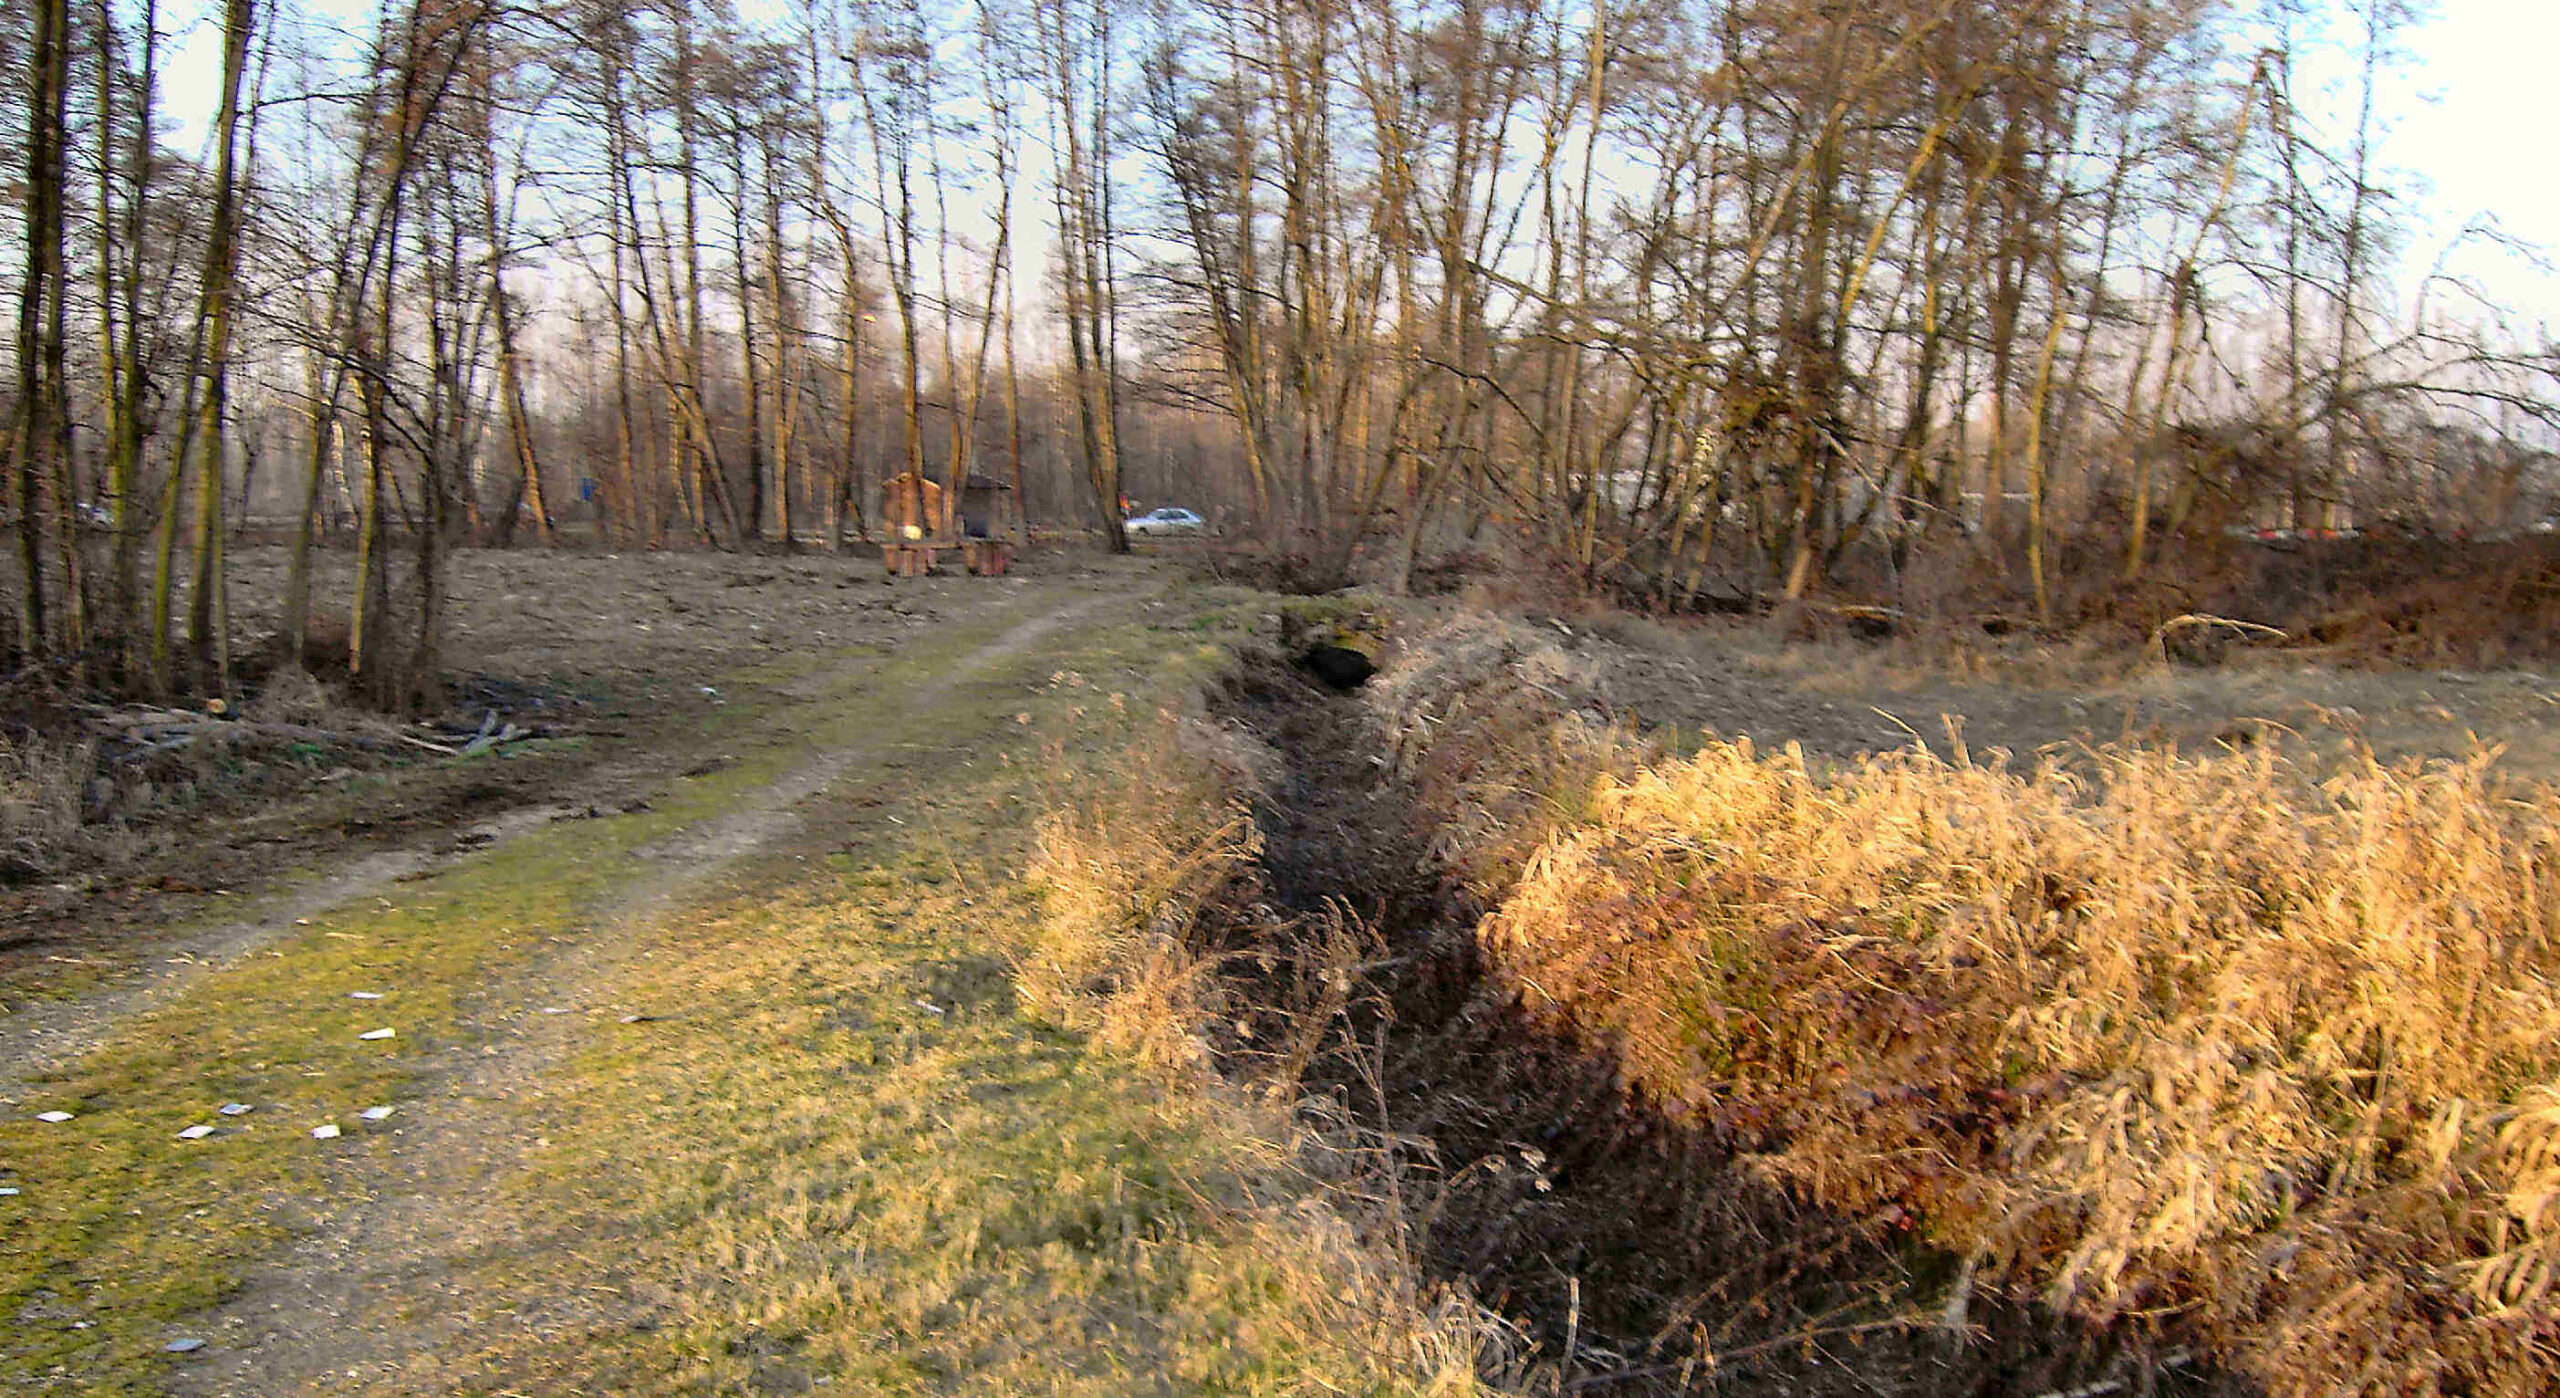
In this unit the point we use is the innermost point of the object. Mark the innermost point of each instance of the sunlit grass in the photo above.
(2264, 1052)
(832, 1151)
(121, 1230)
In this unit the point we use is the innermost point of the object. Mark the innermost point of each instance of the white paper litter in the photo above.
(53, 1116)
(377, 1113)
(364, 994)
(8, 1191)
(929, 1007)
(236, 1109)
(376, 1034)
(195, 1133)
(325, 1133)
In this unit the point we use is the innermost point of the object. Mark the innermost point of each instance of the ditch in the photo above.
(1638, 1254)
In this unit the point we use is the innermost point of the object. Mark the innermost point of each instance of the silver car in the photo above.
(1165, 521)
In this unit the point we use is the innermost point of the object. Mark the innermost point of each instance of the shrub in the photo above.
(1502, 733)
(40, 805)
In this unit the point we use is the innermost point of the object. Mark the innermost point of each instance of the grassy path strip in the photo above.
(45, 1036)
(121, 1229)
(837, 1158)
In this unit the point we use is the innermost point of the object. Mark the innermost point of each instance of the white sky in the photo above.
(2477, 122)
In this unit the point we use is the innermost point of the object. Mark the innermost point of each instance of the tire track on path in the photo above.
(315, 1320)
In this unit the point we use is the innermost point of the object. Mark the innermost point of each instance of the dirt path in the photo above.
(44, 1037)
(369, 1284)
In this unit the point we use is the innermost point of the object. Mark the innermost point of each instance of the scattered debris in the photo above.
(554, 1010)
(327, 1131)
(195, 1133)
(236, 1109)
(639, 1019)
(364, 994)
(377, 1034)
(929, 1007)
(377, 1113)
(188, 1345)
(53, 1116)
(8, 1191)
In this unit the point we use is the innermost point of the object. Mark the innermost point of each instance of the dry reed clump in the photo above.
(2182, 1042)
(1502, 733)
(1333, 1294)
(1125, 860)
(42, 790)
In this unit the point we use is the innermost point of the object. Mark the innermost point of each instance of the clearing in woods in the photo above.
(720, 1091)
(696, 1064)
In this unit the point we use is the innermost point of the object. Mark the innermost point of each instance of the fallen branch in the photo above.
(159, 733)
(2157, 647)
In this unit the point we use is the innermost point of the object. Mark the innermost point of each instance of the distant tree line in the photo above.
(1663, 291)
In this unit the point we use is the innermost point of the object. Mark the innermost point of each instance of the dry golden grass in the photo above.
(1137, 843)
(2191, 1042)
(1502, 733)
(1122, 876)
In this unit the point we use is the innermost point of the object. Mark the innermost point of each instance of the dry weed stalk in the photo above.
(2188, 1037)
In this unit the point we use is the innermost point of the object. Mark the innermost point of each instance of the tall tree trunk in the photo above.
(502, 310)
(744, 285)
(209, 644)
(787, 355)
(35, 437)
(120, 278)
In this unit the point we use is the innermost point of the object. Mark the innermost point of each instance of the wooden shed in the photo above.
(920, 519)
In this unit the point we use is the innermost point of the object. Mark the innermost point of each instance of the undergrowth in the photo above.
(2257, 1057)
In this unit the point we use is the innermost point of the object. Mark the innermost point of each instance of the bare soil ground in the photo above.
(1840, 698)
(616, 661)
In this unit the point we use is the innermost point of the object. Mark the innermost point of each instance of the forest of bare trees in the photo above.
(1678, 293)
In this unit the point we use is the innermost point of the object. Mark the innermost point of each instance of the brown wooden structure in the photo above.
(921, 519)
